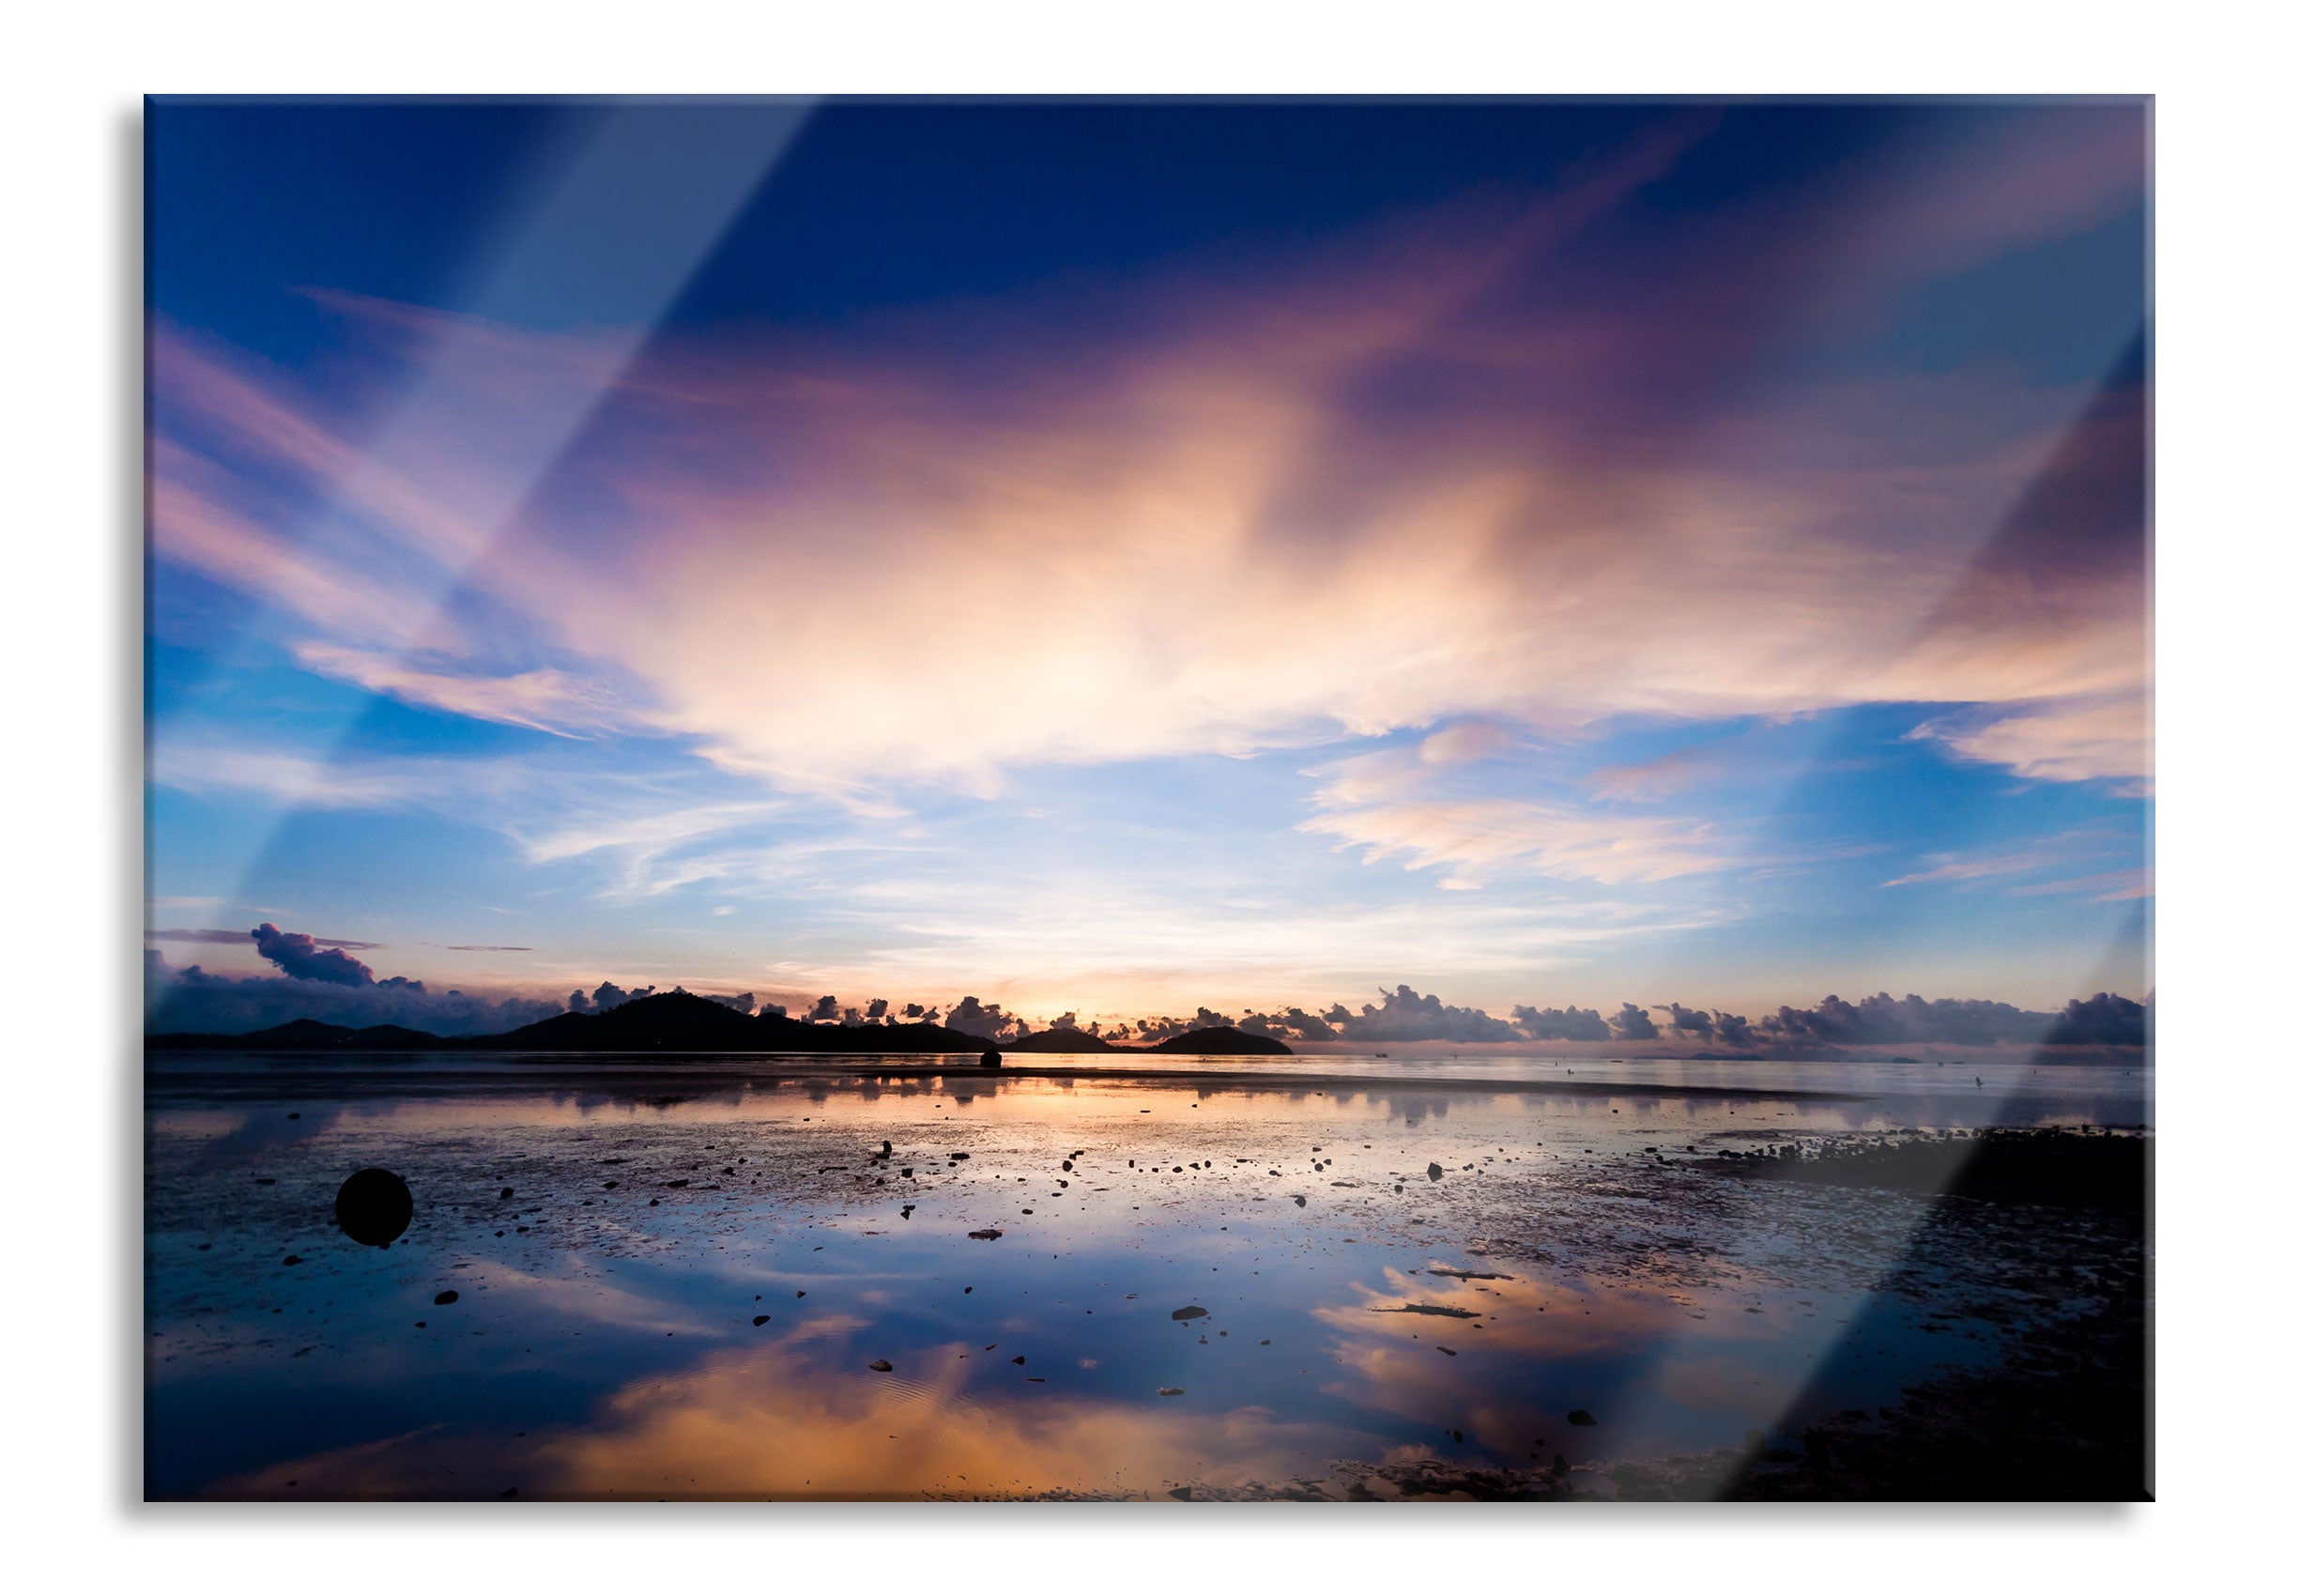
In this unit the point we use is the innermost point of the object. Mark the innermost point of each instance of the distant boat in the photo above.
(1381, 1055)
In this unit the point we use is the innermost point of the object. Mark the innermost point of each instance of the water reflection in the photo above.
(681, 1294)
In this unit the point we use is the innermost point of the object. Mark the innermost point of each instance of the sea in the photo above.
(781, 1277)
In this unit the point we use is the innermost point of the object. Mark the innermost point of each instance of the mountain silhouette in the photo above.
(1063, 1039)
(683, 1022)
(1219, 1039)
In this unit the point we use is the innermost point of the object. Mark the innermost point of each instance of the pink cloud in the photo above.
(939, 559)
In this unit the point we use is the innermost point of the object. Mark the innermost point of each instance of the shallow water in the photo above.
(602, 1341)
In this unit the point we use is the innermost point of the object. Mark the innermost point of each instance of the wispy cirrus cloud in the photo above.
(2083, 738)
(2109, 886)
(245, 938)
(1386, 803)
(2046, 853)
(542, 700)
(1220, 547)
(1471, 837)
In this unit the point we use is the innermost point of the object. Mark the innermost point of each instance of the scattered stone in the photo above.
(984, 1235)
(443, 1298)
(1579, 1416)
(1192, 1312)
(758, 1319)
(1437, 1170)
(881, 1366)
(1170, 1390)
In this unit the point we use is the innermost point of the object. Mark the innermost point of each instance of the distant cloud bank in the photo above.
(191, 999)
(318, 980)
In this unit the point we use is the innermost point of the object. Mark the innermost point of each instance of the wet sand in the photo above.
(1404, 1281)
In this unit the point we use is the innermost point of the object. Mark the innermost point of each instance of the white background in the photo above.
(69, 585)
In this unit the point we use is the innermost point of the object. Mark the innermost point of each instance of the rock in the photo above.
(992, 1059)
(504, 1195)
(881, 1366)
(374, 1207)
(1192, 1312)
(291, 1258)
(1170, 1390)
(758, 1319)
(1016, 1359)
(984, 1235)
(444, 1299)
(1437, 1170)
(1301, 1201)
(1579, 1416)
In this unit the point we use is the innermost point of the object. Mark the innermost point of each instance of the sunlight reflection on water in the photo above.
(603, 1340)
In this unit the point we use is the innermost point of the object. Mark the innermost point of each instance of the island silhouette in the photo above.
(683, 1022)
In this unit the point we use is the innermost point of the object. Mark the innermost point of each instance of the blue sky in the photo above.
(1119, 557)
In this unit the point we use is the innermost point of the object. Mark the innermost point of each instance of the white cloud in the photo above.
(2080, 739)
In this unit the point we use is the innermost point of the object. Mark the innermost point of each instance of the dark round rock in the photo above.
(443, 1298)
(373, 1207)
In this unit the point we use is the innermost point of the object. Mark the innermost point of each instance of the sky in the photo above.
(1112, 558)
